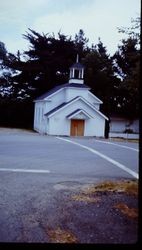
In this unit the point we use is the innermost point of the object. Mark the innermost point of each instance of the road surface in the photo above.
(39, 173)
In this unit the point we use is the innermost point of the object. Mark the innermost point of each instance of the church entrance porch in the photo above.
(77, 127)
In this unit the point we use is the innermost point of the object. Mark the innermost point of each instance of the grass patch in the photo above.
(130, 212)
(61, 236)
(85, 198)
(128, 187)
(90, 193)
(119, 139)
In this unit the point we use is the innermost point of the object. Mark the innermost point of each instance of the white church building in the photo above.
(70, 109)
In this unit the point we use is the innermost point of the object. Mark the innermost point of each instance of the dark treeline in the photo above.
(25, 76)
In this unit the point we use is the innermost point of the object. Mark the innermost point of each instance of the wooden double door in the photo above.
(77, 127)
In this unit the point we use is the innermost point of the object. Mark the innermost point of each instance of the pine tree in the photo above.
(127, 66)
(100, 76)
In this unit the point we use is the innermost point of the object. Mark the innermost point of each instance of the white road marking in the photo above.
(122, 146)
(25, 170)
(131, 172)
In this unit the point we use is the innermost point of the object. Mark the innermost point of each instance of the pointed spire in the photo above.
(77, 58)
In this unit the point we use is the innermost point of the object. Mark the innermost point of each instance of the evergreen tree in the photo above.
(81, 43)
(99, 75)
(127, 66)
(45, 65)
(5, 74)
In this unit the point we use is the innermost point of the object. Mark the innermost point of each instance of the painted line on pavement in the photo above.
(25, 170)
(116, 163)
(122, 146)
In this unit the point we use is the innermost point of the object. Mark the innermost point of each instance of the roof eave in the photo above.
(50, 115)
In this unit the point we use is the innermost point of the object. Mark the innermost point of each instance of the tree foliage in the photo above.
(133, 31)
(100, 76)
(114, 79)
(127, 66)
(45, 64)
(3, 51)
(81, 43)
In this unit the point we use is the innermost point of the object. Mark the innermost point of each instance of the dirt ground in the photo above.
(106, 213)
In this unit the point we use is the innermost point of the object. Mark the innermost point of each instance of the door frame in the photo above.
(77, 127)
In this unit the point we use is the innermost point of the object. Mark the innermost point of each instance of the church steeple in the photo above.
(77, 72)
(77, 58)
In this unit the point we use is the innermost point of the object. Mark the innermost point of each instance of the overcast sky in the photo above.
(98, 18)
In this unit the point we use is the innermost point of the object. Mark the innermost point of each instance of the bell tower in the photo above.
(77, 72)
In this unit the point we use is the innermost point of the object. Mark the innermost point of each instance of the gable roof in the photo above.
(59, 87)
(78, 111)
(59, 107)
(65, 104)
(96, 98)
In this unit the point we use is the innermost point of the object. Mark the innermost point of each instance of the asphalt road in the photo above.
(60, 157)
(39, 173)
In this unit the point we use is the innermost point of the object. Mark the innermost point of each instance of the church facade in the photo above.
(70, 109)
